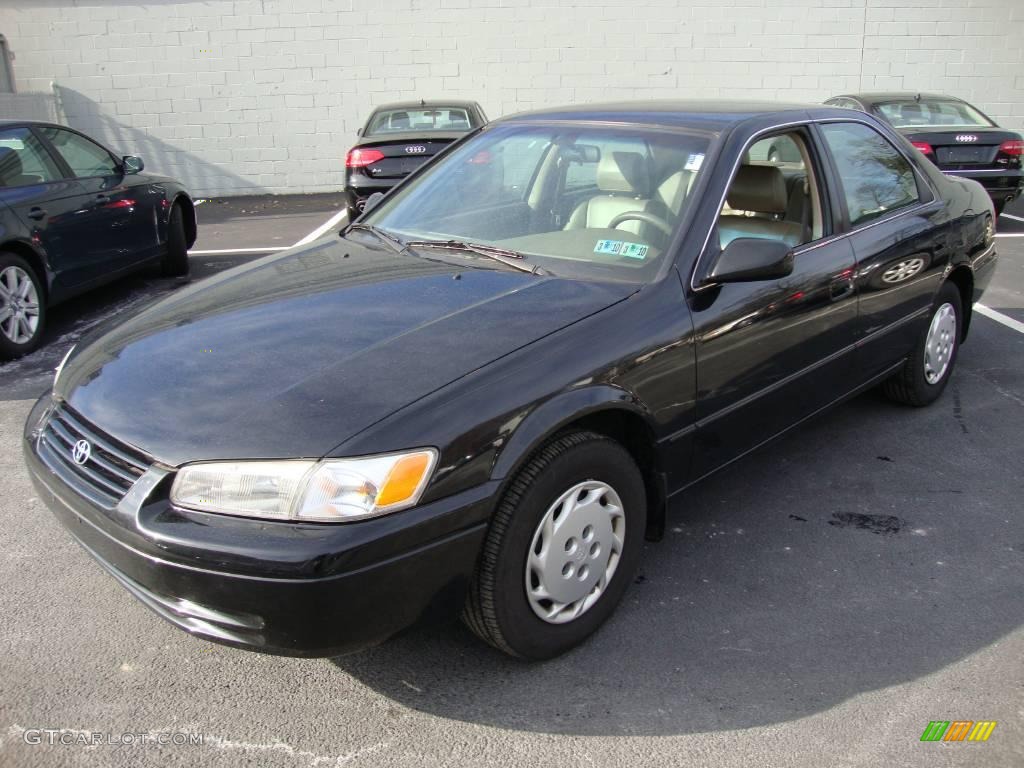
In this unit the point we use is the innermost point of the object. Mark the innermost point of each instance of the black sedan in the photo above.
(397, 139)
(487, 398)
(73, 216)
(958, 137)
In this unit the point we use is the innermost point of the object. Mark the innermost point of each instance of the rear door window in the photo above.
(875, 177)
(24, 160)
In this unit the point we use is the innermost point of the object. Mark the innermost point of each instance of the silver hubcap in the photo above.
(939, 345)
(575, 551)
(19, 305)
(902, 271)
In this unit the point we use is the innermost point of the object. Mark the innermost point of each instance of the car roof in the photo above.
(427, 104)
(711, 114)
(880, 97)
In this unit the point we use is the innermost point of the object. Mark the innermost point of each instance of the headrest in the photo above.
(673, 190)
(758, 188)
(911, 112)
(400, 120)
(10, 165)
(624, 172)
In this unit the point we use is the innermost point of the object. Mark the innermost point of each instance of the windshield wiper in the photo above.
(381, 234)
(506, 256)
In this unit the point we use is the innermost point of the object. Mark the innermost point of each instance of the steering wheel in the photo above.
(643, 216)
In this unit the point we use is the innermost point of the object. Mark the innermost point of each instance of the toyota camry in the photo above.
(485, 393)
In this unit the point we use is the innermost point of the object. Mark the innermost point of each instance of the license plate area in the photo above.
(965, 154)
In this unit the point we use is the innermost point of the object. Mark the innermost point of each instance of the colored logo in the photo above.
(958, 730)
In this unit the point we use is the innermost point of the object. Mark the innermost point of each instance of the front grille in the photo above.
(111, 468)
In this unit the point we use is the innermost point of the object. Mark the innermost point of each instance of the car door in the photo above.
(121, 210)
(34, 186)
(893, 220)
(772, 352)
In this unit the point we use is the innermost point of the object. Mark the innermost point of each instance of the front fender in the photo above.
(550, 417)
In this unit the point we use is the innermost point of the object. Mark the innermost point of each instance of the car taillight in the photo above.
(360, 158)
(923, 147)
(1013, 147)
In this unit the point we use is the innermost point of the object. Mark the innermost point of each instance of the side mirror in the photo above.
(372, 201)
(132, 164)
(749, 259)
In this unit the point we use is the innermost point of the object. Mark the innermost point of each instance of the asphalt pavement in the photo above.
(818, 604)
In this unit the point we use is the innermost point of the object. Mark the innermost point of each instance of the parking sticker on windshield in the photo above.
(694, 161)
(634, 250)
(612, 247)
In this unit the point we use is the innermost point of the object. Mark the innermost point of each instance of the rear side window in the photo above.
(86, 158)
(24, 160)
(876, 178)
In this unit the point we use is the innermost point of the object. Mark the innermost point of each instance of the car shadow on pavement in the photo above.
(857, 553)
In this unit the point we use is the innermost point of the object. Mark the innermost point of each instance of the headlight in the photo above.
(56, 373)
(332, 490)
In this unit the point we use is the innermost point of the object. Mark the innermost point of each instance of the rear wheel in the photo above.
(926, 372)
(175, 261)
(562, 548)
(22, 311)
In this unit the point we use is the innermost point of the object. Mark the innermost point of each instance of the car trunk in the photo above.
(403, 153)
(964, 148)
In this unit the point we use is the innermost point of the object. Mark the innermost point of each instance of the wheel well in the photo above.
(34, 260)
(188, 213)
(631, 431)
(963, 279)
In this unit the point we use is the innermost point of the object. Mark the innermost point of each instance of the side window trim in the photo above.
(926, 193)
(66, 173)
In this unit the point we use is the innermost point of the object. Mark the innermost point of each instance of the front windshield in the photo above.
(932, 113)
(578, 201)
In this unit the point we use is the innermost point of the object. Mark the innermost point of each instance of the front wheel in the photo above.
(926, 372)
(175, 261)
(562, 548)
(22, 310)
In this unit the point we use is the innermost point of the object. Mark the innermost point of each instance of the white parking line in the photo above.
(999, 317)
(322, 229)
(1011, 216)
(222, 251)
(1010, 234)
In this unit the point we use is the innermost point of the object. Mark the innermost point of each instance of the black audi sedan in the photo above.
(73, 216)
(957, 137)
(485, 393)
(397, 139)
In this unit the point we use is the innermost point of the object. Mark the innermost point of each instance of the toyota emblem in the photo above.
(966, 137)
(415, 149)
(81, 452)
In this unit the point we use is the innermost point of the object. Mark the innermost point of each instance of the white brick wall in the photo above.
(237, 96)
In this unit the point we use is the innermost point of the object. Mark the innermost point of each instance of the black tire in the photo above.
(175, 261)
(497, 608)
(910, 385)
(9, 348)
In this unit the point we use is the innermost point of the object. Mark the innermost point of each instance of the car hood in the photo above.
(293, 354)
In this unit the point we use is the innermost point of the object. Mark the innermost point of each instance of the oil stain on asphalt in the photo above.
(882, 524)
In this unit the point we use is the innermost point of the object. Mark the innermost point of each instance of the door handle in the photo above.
(839, 289)
(102, 199)
(36, 213)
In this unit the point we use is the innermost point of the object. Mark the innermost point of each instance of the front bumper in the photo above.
(285, 588)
